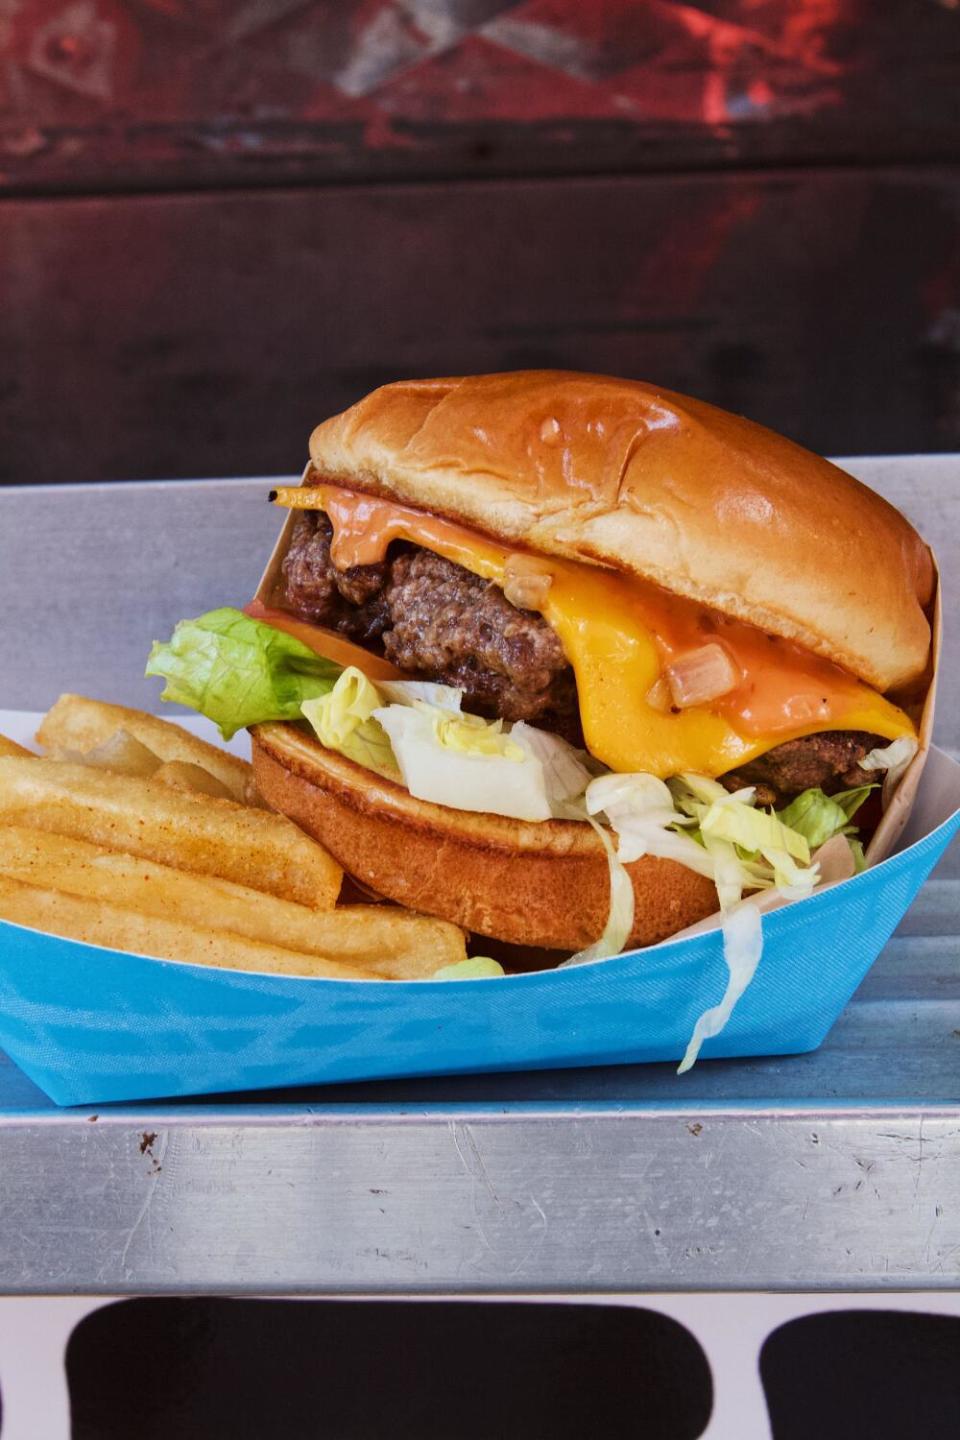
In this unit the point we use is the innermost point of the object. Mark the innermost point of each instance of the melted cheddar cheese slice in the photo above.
(618, 633)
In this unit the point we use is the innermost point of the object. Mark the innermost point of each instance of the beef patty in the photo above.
(440, 622)
(829, 760)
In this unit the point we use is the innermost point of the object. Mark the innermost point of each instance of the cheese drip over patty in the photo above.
(619, 632)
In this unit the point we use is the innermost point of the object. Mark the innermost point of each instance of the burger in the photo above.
(571, 660)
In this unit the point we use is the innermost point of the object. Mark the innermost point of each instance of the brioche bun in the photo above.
(542, 884)
(704, 503)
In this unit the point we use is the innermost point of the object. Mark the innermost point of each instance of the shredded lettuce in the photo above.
(894, 760)
(754, 830)
(769, 852)
(616, 932)
(895, 756)
(343, 721)
(565, 769)
(640, 809)
(729, 873)
(238, 671)
(464, 762)
(443, 754)
(692, 792)
(471, 734)
(476, 967)
(336, 715)
(739, 846)
(818, 817)
(652, 818)
(742, 947)
(408, 692)
(850, 800)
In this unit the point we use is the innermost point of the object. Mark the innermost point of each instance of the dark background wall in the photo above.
(222, 219)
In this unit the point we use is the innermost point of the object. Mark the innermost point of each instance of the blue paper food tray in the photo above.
(91, 1025)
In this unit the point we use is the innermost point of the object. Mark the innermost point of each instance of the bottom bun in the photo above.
(530, 883)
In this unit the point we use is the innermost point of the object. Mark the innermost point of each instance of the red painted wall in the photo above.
(102, 92)
(757, 201)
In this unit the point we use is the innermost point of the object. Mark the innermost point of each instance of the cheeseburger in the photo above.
(573, 661)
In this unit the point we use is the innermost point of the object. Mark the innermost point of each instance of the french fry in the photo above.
(184, 775)
(394, 944)
(10, 747)
(98, 923)
(80, 724)
(189, 831)
(120, 752)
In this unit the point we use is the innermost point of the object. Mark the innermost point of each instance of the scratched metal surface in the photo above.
(837, 1170)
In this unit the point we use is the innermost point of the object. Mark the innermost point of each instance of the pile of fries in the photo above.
(133, 834)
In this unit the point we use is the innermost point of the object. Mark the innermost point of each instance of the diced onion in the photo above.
(658, 696)
(526, 581)
(701, 675)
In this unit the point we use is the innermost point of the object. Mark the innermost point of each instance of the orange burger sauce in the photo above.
(619, 632)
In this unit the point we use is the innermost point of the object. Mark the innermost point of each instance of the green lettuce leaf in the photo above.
(476, 967)
(238, 671)
(851, 800)
(343, 721)
(369, 745)
(754, 830)
(818, 817)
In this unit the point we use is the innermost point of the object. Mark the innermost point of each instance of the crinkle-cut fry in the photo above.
(394, 944)
(10, 747)
(78, 723)
(175, 827)
(95, 922)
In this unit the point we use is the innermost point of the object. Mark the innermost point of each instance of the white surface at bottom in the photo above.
(731, 1329)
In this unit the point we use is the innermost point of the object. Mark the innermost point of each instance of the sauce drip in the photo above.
(619, 632)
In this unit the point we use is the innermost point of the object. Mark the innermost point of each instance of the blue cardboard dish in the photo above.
(91, 1025)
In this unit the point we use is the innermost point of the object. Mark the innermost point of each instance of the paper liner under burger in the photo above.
(270, 587)
(268, 604)
(897, 813)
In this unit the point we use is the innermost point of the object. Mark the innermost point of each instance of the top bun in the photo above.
(702, 502)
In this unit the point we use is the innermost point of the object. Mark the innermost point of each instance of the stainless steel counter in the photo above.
(837, 1170)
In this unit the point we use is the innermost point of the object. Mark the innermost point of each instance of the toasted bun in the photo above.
(543, 884)
(702, 502)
